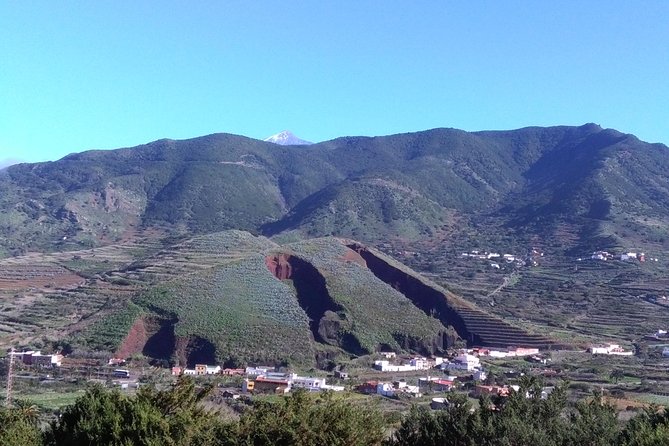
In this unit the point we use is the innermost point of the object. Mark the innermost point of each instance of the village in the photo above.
(497, 260)
(389, 375)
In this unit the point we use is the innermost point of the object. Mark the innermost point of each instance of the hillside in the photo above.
(238, 299)
(122, 251)
(600, 184)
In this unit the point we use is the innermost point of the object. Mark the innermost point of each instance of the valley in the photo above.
(231, 251)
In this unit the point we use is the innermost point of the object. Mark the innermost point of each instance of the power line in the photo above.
(10, 378)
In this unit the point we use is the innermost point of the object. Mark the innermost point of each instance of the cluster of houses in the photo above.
(509, 352)
(280, 383)
(389, 389)
(401, 387)
(415, 363)
(496, 259)
(610, 349)
(626, 256)
(466, 360)
(37, 359)
(505, 390)
(263, 379)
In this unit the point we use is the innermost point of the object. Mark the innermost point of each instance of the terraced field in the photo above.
(582, 301)
(45, 297)
(237, 298)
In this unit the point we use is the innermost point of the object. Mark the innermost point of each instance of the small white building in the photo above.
(385, 389)
(480, 375)
(305, 382)
(311, 384)
(419, 363)
(386, 366)
(628, 255)
(258, 371)
(464, 361)
(665, 352)
(213, 369)
(610, 349)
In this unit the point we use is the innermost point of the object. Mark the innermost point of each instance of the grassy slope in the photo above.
(378, 313)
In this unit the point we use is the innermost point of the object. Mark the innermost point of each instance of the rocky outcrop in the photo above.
(428, 299)
(325, 321)
(279, 265)
(161, 340)
(471, 324)
(154, 337)
(134, 341)
(191, 350)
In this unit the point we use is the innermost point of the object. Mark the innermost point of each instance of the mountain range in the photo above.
(227, 248)
(590, 183)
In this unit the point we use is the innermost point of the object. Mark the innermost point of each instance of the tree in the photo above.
(454, 426)
(593, 422)
(173, 417)
(616, 374)
(649, 428)
(18, 427)
(298, 420)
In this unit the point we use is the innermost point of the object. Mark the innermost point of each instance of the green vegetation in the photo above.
(106, 333)
(177, 416)
(241, 308)
(608, 185)
(524, 418)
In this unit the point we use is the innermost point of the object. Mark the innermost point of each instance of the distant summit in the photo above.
(286, 138)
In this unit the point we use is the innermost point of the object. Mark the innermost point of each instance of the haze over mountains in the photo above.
(586, 182)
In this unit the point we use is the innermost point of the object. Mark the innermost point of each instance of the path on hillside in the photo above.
(508, 280)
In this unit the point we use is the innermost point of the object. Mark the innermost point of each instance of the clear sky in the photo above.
(105, 74)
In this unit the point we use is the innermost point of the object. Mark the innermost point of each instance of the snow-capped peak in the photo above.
(286, 138)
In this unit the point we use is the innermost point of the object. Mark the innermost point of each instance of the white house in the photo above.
(665, 352)
(464, 361)
(311, 384)
(304, 382)
(419, 363)
(610, 349)
(386, 366)
(385, 389)
(257, 371)
(480, 375)
(213, 370)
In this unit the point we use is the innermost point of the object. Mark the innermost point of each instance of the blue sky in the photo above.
(82, 75)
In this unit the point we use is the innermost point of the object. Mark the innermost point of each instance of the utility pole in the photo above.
(10, 378)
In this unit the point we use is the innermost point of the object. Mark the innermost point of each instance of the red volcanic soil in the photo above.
(279, 265)
(354, 256)
(135, 340)
(24, 277)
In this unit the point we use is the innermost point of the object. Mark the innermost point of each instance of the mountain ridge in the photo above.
(411, 184)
